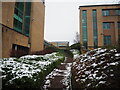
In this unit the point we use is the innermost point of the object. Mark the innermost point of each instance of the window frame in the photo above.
(117, 12)
(105, 12)
(84, 28)
(106, 25)
(107, 39)
(118, 25)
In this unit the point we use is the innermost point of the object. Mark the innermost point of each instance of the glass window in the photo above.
(27, 18)
(118, 25)
(119, 38)
(17, 25)
(95, 28)
(106, 25)
(22, 17)
(117, 12)
(18, 16)
(84, 28)
(107, 40)
(106, 12)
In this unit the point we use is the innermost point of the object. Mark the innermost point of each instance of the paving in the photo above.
(60, 77)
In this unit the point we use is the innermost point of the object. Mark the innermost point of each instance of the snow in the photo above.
(75, 53)
(112, 64)
(65, 73)
(95, 66)
(102, 82)
(111, 75)
(26, 65)
(47, 82)
(87, 72)
(118, 54)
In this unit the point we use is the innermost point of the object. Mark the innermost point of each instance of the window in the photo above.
(107, 40)
(105, 12)
(106, 25)
(19, 8)
(84, 28)
(18, 16)
(17, 25)
(118, 25)
(117, 12)
(22, 17)
(27, 18)
(94, 13)
(119, 38)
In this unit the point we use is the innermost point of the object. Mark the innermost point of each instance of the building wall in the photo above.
(37, 26)
(9, 37)
(61, 45)
(54, 43)
(100, 19)
(7, 13)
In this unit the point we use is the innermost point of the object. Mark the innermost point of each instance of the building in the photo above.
(22, 27)
(47, 44)
(99, 25)
(61, 44)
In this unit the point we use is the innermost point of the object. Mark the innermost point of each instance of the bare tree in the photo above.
(116, 1)
(77, 38)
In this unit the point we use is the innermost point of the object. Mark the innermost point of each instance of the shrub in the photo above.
(97, 69)
(48, 50)
(115, 46)
(33, 77)
(76, 46)
(18, 53)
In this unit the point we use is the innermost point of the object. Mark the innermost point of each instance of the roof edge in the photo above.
(100, 5)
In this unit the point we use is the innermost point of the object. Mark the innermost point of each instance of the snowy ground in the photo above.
(98, 68)
(59, 78)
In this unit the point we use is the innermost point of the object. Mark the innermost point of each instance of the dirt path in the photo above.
(60, 77)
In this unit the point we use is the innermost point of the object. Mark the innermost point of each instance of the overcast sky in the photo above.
(62, 18)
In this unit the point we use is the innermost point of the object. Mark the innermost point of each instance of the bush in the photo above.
(27, 72)
(97, 69)
(116, 46)
(76, 46)
(48, 50)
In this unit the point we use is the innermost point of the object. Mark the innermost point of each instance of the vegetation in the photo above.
(116, 46)
(28, 71)
(97, 69)
(76, 46)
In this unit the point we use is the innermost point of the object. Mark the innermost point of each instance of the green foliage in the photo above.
(116, 46)
(76, 46)
(35, 81)
(65, 52)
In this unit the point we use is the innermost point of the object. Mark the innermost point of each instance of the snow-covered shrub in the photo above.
(97, 69)
(28, 71)
(75, 52)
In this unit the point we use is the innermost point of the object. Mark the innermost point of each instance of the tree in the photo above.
(77, 38)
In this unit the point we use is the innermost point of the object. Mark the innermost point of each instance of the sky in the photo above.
(62, 18)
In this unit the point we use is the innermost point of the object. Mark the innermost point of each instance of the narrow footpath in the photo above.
(60, 77)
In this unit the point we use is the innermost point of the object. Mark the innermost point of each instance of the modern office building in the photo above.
(22, 27)
(61, 44)
(99, 25)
